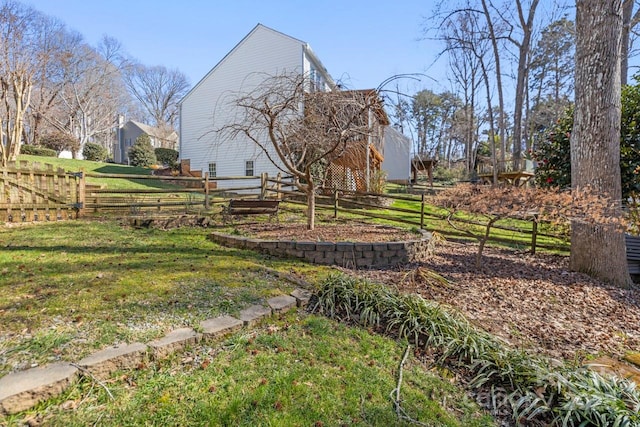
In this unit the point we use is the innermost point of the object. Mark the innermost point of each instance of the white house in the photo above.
(209, 105)
(397, 156)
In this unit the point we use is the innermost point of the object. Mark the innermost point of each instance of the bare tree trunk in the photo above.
(598, 250)
(627, 13)
(311, 207)
(496, 55)
(521, 80)
(492, 132)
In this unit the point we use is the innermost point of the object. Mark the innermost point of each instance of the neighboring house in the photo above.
(209, 106)
(129, 131)
(397, 156)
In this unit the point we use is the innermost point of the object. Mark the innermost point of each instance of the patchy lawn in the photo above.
(69, 288)
(299, 370)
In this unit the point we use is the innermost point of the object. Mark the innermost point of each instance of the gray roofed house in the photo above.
(129, 131)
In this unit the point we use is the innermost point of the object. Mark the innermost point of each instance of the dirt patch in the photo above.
(529, 301)
(352, 232)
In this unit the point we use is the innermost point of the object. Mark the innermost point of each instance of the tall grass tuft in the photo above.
(534, 390)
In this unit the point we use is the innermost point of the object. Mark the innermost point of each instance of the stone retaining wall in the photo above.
(346, 254)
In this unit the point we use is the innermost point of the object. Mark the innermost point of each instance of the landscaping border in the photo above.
(345, 254)
(22, 390)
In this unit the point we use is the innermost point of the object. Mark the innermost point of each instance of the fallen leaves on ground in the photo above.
(531, 301)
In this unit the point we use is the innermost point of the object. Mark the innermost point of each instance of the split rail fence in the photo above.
(44, 193)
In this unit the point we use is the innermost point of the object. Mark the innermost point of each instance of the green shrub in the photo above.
(60, 141)
(34, 150)
(553, 153)
(166, 156)
(94, 152)
(141, 152)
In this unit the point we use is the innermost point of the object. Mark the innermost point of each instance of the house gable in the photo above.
(209, 105)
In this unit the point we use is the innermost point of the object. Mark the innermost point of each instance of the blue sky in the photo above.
(360, 42)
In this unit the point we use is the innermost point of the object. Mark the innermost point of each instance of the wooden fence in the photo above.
(362, 204)
(41, 193)
(37, 192)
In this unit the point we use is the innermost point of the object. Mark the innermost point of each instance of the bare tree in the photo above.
(158, 90)
(464, 65)
(58, 45)
(303, 131)
(595, 140)
(91, 98)
(494, 38)
(19, 27)
(526, 21)
(465, 31)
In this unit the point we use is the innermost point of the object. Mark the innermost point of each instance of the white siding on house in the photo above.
(208, 106)
(397, 155)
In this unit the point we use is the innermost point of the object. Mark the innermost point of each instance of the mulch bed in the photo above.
(530, 301)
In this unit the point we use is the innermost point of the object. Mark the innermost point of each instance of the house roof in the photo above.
(395, 137)
(312, 56)
(155, 132)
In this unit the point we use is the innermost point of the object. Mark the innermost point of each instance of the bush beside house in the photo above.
(166, 156)
(141, 153)
(94, 152)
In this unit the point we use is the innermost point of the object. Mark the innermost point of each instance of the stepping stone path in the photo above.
(22, 390)
(107, 361)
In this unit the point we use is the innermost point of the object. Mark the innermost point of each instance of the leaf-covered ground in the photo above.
(532, 301)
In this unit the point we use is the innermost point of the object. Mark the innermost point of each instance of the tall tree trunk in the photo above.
(502, 122)
(521, 80)
(598, 250)
(492, 132)
(627, 14)
(311, 208)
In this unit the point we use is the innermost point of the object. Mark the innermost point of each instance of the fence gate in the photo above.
(36, 192)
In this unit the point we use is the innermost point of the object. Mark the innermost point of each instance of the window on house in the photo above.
(312, 79)
(248, 168)
(212, 170)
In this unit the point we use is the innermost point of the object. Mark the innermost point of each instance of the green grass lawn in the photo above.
(73, 165)
(70, 288)
(300, 370)
(433, 214)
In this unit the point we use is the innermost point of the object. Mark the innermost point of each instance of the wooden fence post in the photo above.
(80, 193)
(263, 185)
(534, 234)
(279, 186)
(335, 203)
(207, 192)
(422, 211)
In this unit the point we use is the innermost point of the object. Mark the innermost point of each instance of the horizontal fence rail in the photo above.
(37, 192)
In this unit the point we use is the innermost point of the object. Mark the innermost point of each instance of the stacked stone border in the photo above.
(22, 390)
(345, 254)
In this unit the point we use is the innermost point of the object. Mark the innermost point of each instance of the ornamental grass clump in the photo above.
(532, 388)
(346, 298)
